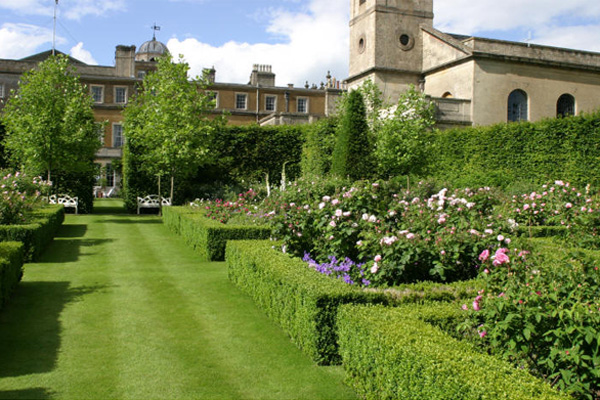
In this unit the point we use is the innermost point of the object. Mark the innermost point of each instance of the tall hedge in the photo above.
(498, 155)
(352, 154)
(318, 148)
(239, 155)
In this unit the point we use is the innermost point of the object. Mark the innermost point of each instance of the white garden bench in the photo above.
(152, 201)
(64, 199)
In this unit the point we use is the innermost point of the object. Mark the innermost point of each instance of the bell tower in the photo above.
(386, 43)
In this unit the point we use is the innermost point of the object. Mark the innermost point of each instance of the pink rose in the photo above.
(500, 257)
(484, 256)
(377, 258)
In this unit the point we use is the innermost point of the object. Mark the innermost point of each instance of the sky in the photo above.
(301, 39)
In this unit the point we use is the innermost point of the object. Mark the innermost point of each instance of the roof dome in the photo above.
(151, 50)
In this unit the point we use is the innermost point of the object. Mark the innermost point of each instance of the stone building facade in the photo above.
(259, 101)
(474, 81)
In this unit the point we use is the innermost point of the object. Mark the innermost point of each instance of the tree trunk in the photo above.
(159, 198)
(172, 184)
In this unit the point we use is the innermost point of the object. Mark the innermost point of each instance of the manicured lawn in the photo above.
(118, 307)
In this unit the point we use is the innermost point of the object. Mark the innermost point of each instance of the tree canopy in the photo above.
(49, 121)
(166, 121)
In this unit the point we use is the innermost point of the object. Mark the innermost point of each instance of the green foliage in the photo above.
(396, 353)
(352, 154)
(50, 128)
(166, 122)
(318, 148)
(35, 235)
(543, 314)
(11, 268)
(205, 235)
(404, 138)
(302, 301)
(553, 149)
(248, 153)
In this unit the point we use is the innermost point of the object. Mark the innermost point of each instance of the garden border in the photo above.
(205, 235)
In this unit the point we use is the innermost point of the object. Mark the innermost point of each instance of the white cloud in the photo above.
(313, 41)
(22, 40)
(571, 24)
(71, 9)
(81, 54)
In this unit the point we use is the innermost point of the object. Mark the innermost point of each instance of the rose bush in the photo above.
(542, 316)
(19, 193)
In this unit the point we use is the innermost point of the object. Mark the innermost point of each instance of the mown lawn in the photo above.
(118, 307)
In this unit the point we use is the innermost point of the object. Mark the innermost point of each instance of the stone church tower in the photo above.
(386, 43)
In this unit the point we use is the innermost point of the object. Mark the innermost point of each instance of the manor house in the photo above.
(474, 81)
(258, 101)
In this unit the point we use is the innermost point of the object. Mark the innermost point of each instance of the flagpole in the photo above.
(54, 31)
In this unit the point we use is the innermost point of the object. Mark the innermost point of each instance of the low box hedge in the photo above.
(422, 292)
(302, 301)
(401, 353)
(543, 231)
(35, 235)
(206, 235)
(11, 268)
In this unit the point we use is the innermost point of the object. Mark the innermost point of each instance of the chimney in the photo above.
(262, 75)
(210, 75)
(125, 61)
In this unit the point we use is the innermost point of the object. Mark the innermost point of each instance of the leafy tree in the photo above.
(166, 122)
(404, 137)
(49, 122)
(352, 154)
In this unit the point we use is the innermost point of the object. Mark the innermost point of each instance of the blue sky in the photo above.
(302, 39)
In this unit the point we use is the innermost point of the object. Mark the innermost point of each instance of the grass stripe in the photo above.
(118, 307)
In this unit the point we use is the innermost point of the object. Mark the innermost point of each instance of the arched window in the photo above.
(447, 95)
(517, 106)
(565, 106)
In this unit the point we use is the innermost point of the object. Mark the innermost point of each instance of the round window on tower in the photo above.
(362, 44)
(405, 41)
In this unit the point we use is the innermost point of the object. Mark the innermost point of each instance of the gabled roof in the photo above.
(45, 54)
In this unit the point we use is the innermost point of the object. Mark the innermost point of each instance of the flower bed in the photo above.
(398, 353)
(11, 268)
(207, 236)
(542, 312)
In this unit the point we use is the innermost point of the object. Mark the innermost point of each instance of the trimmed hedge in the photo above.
(208, 236)
(393, 353)
(11, 268)
(502, 154)
(35, 235)
(422, 292)
(302, 301)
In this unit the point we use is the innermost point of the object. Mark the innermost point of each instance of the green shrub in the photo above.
(318, 147)
(208, 236)
(302, 301)
(502, 154)
(396, 353)
(35, 236)
(353, 154)
(11, 268)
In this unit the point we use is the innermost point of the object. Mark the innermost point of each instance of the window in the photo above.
(517, 106)
(270, 103)
(241, 100)
(214, 96)
(302, 105)
(100, 132)
(141, 74)
(117, 135)
(447, 95)
(565, 106)
(361, 2)
(1, 90)
(97, 93)
(110, 175)
(120, 95)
